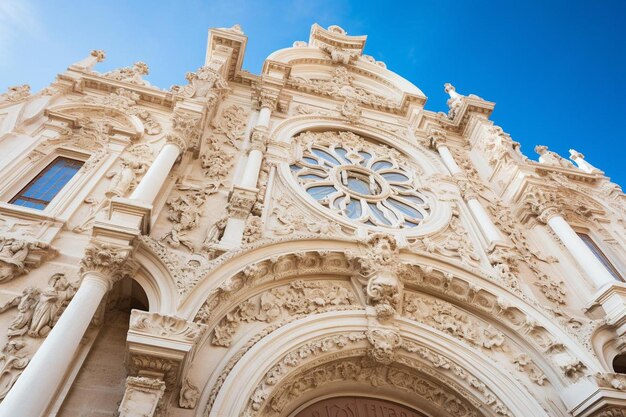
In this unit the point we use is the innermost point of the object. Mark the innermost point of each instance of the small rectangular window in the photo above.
(45, 186)
(600, 255)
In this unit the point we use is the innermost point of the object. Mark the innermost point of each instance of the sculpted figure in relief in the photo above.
(13, 255)
(38, 311)
(12, 363)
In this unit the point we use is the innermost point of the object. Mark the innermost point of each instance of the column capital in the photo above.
(545, 204)
(185, 130)
(108, 261)
(266, 96)
(437, 138)
(241, 202)
(258, 139)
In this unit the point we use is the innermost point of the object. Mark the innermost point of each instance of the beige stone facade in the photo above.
(310, 241)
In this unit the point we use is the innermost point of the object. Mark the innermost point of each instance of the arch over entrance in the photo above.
(356, 406)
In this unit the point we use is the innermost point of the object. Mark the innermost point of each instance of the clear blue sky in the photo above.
(556, 69)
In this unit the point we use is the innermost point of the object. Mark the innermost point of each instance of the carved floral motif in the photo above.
(299, 297)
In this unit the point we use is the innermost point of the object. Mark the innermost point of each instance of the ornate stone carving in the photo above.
(341, 85)
(106, 258)
(447, 318)
(121, 99)
(132, 75)
(350, 110)
(299, 297)
(38, 311)
(384, 344)
(454, 102)
(295, 358)
(291, 220)
(552, 288)
(552, 158)
(380, 267)
(141, 397)
(611, 381)
(184, 212)
(206, 82)
(18, 257)
(232, 124)
(189, 395)
(185, 130)
(253, 230)
(15, 94)
(356, 369)
(455, 242)
(164, 326)
(524, 364)
(545, 204)
(12, 363)
(241, 203)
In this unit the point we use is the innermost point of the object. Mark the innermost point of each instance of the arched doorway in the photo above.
(356, 407)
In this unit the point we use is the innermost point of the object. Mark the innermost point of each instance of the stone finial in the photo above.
(95, 56)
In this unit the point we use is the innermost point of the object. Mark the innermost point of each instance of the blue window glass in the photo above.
(41, 190)
(600, 255)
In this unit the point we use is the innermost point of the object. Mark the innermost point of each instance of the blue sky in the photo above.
(556, 69)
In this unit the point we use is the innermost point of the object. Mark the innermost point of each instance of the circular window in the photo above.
(359, 180)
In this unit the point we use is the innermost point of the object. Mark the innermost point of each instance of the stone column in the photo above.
(547, 207)
(36, 387)
(488, 229)
(244, 193)
(155, 177)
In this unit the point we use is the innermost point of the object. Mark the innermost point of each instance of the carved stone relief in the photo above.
(19, 256)
(297, 298)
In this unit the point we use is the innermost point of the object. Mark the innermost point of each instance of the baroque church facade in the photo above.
(307, 242)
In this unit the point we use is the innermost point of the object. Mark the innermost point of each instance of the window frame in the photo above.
(602, 254)
(21, 194)
(23, 177)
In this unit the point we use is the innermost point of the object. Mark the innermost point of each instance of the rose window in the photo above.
(368, 183)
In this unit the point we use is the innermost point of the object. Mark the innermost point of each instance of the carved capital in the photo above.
(267, 98)
(110, 260)
(545, 204)
(258, 139)
(437, 138)
(176, 140)
(185, 127)
(241, 202)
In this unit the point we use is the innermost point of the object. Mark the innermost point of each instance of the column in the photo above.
(36, 387)
(244, 193)
(488, 229)
(155, 177)
(579, 250)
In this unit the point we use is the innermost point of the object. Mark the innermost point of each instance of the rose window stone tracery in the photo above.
(359, 180)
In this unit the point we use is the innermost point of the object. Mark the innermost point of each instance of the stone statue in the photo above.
(454, 102)
(125, 178)
(13, 253)
(215, 232)
(552, 158)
